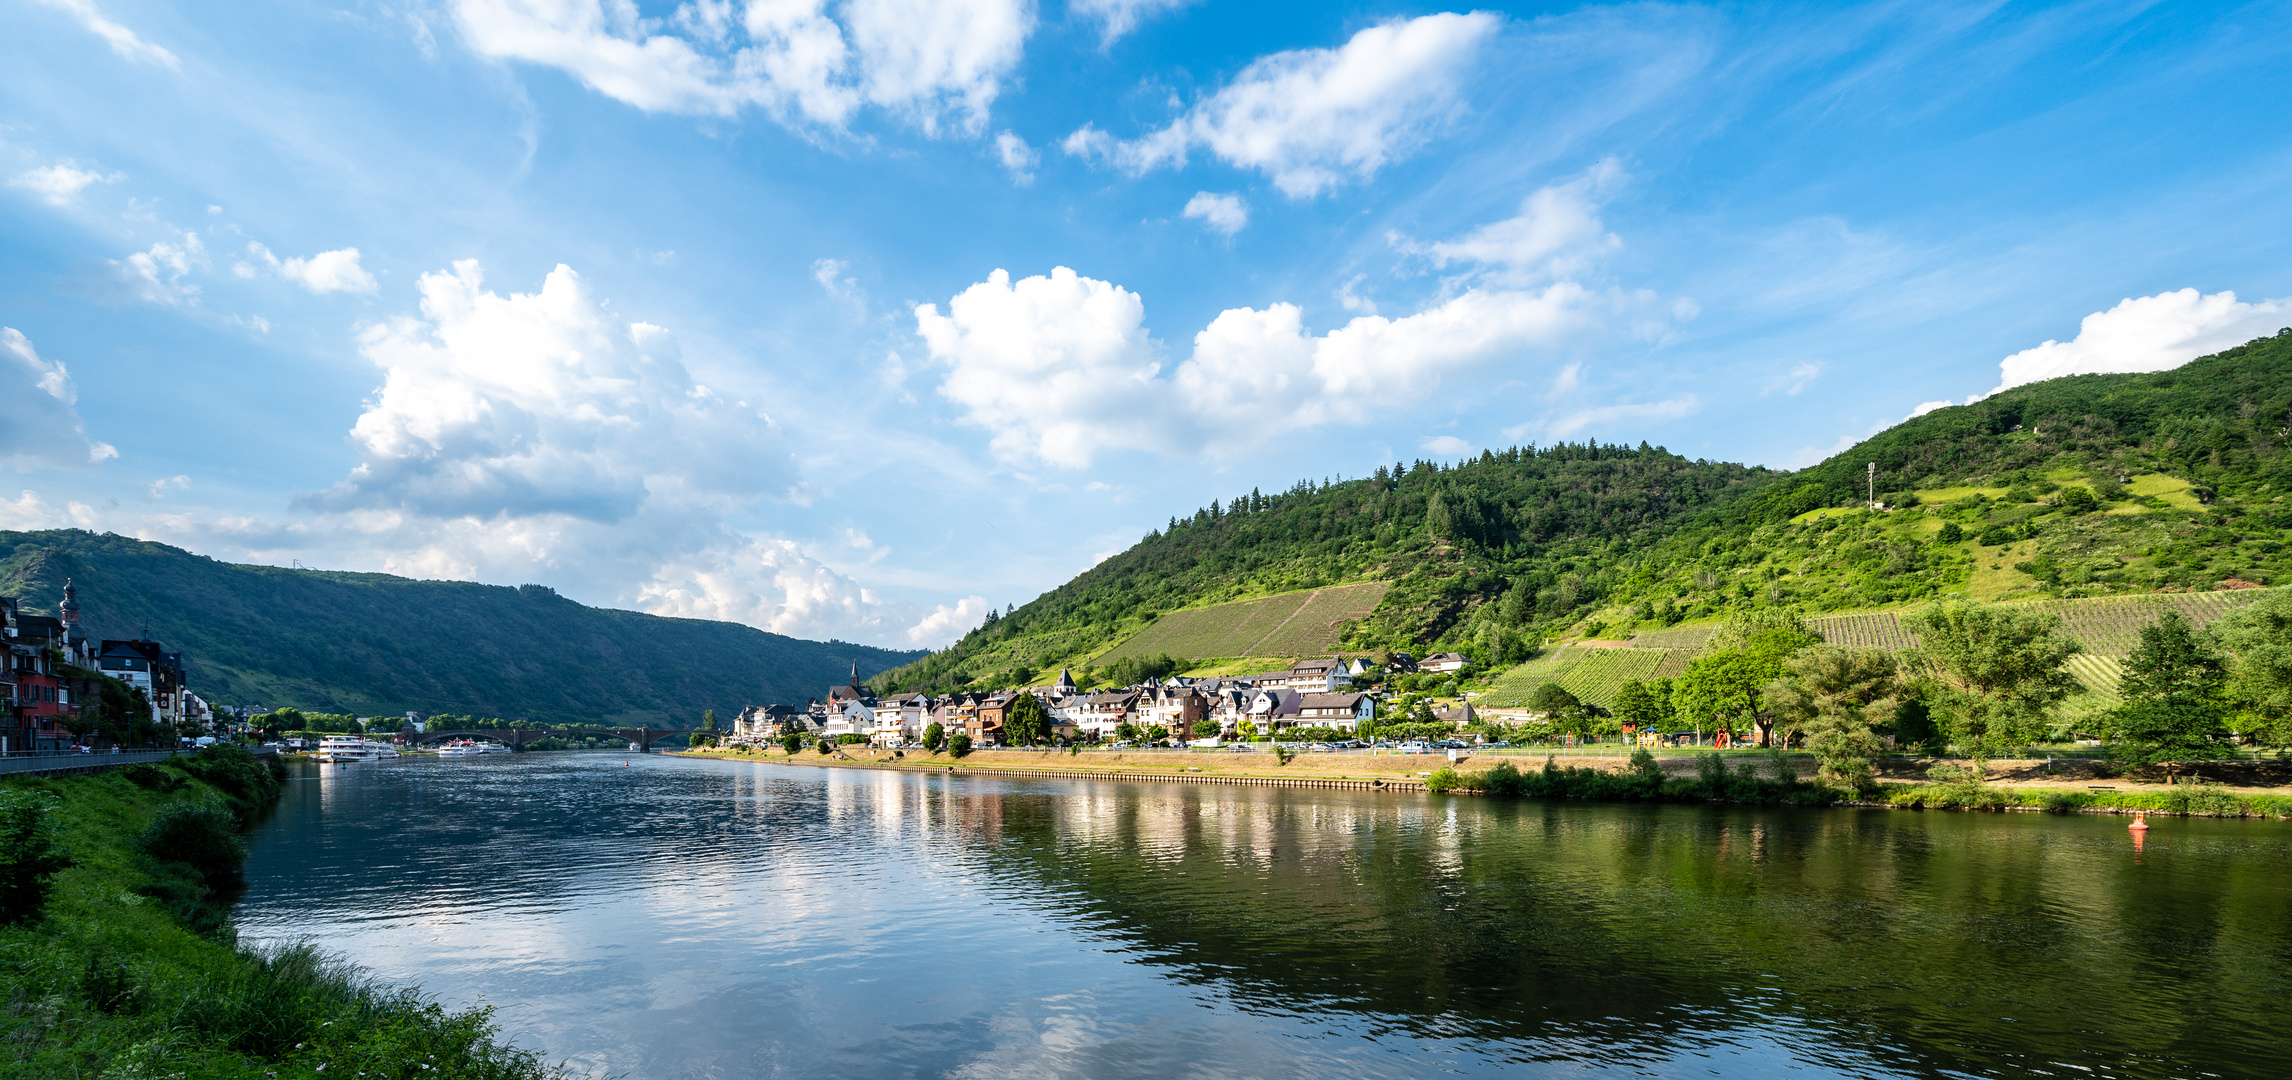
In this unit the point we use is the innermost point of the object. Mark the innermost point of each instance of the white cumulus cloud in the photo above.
(1308, 118)
(325, 272)
(924, 60)
(1225, 214)
(1061, 367)
(1017, 157)
(768, 584)
(946, 623)
(158, 273)
(1444, 445)
(1557, 232)
(40, 425)
(540, 403)
(61, 183)
(2147, 333)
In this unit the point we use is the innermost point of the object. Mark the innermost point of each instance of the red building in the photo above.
(36, 699)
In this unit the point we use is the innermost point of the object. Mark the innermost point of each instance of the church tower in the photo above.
(68, 612)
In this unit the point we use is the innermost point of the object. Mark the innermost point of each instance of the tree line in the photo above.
(1986, 680)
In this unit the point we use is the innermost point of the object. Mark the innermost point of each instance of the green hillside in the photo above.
(1302, 623)
(373, 644)
(2086, 486)
(2106, 627)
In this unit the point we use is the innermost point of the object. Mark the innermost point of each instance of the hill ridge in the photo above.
(379, 644)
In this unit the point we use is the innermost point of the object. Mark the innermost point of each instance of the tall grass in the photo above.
(129, 969)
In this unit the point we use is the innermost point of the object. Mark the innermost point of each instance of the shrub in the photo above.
(958, 744)
(29, 857)
(1443, 779)
(825, 746)
(2063, 802)
(1502, 779)
(242, 777)
(2205, 799)
(152, 778)
(201, 836)
(792, 742)
(1648, 770)
(934, 737)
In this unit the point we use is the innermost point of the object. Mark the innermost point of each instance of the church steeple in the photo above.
(855, 674)
(69, 611)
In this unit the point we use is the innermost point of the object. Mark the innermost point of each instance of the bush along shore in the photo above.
(1775, 782)
(118, 960)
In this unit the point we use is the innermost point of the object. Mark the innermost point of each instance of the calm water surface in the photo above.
(678, 918)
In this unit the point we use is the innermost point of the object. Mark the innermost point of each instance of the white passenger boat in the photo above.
(346, 748)
(460, 748)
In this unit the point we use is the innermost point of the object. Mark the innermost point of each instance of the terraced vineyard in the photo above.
(2105, 625)
(1677, 637)
(1593, 675)
(2111, 625)
(1294, 624)
(1869, 630)
(2099, 674)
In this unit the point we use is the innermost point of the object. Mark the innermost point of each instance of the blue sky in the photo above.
(853, 319)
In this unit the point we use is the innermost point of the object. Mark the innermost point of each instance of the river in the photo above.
(660, 918)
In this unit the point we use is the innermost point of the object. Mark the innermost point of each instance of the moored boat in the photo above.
(348, 748)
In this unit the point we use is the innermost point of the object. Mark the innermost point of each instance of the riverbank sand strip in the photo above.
(1389, 772)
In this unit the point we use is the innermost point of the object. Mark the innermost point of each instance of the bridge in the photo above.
(518, 737)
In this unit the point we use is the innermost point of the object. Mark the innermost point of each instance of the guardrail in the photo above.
(55, 764)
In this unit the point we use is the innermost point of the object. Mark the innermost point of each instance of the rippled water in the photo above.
(683, 918)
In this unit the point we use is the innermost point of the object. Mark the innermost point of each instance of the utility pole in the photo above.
(1870, 490)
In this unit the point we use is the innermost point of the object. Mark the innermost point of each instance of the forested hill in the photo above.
(1452, 538)
(374, 644)
(2086, 485)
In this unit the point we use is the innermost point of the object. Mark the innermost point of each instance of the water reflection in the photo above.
(674, 918)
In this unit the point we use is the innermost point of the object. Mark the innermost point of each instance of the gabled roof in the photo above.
(1332, 701)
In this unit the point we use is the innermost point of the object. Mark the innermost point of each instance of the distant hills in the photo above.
(374, 644)
(2089, 485)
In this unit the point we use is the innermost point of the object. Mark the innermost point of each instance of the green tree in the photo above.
(2259, 644)
(1724, 688)
(958, 744)
(1027, 722)
(1126, 731)
(2170, 698)
(1551, 699)
(1719, 690)
(1838, 697)
(1205, 728)
(934, 736)
(792, 742)
(1993, 673)
(1636, 705)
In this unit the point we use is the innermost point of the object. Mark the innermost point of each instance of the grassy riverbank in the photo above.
(127, 966)
(1754, 779)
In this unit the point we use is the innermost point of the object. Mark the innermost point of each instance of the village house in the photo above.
(899, 720)
(1342, 711)
(1175, 708)
(1097, 715)
(1443, 663)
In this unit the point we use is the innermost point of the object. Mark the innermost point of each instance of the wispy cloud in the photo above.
(121, 39)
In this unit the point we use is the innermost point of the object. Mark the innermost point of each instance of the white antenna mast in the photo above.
(1870, 492)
